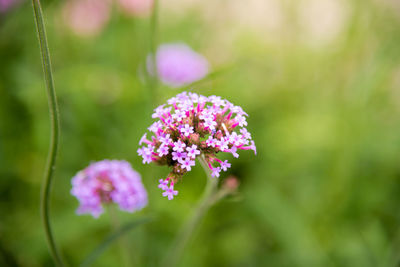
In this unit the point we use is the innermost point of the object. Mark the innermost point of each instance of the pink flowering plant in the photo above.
(190, 126)
(106, 182)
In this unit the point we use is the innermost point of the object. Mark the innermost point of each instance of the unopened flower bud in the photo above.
(219, 135)
(195, 137)
(231, 183)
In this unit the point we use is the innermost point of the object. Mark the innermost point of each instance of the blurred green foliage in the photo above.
(323, 190)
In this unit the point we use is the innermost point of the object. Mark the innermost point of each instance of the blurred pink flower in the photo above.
(108, 181)
(178, 65)
(139, 8)
(86, 17)
(6, 5)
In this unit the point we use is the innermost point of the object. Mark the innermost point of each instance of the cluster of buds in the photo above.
(192, 125)
(105, 182)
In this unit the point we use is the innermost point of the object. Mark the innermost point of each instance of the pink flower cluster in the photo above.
(190, 125)
(108, 181)
(178, 64)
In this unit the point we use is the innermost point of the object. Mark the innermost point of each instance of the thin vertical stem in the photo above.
(187, 230)
(55, 129)
(123, 243)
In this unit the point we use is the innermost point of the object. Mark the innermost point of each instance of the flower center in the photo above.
(105, 189)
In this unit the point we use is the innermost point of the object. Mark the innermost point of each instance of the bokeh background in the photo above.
(320, 80)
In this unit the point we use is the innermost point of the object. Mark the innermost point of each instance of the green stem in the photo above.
(207, 200)
(123, 243)
(55, 129)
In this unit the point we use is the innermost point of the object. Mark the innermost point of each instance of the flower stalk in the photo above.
(123, 242)
(55, 132)
(210, 196)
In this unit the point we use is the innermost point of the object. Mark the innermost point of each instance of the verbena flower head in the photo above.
(105, 182)
(191, 125)
(178, 65)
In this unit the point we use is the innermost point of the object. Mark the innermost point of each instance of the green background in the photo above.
(324, 106)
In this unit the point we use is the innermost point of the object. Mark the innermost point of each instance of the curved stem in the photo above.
(55, 129)
(187, 230)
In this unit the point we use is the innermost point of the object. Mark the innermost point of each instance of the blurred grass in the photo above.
(322, 191)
